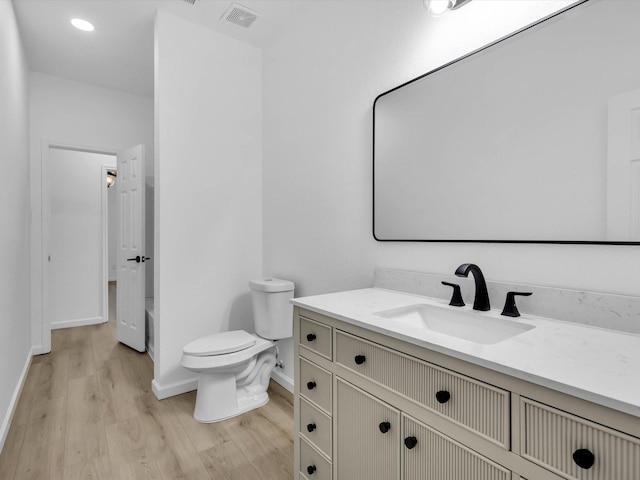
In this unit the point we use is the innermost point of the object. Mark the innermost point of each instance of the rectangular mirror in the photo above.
(533, 139)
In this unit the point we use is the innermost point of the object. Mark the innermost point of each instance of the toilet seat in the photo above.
(228, 360)
(220, 344)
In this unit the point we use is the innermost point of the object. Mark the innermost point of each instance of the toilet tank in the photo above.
(272, 312)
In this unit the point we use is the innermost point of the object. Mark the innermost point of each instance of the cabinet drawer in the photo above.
(315, 426)
(312, 464)
(315, 384)
(434, 455)
(477, 406)
(316, 337)
(552, 437)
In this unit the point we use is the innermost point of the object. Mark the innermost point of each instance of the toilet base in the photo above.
(244, 406)
(226, 394)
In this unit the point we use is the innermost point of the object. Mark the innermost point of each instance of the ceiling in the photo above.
(119, 53)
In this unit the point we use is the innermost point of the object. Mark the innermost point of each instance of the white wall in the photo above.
(15, 327)
(208, 190)
(318, 92)
(82, 115)
(78, 193)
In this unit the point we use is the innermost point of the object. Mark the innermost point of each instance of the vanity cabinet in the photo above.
(372, 407)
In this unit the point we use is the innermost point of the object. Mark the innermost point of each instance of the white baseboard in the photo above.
(6, 421)
(81, 322)
(165, 391)
(282, 379)
(39, 350)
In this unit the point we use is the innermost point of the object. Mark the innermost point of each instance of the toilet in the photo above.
(235, 366)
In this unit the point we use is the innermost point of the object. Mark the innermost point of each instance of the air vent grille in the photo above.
(240, 15)
(192, 2)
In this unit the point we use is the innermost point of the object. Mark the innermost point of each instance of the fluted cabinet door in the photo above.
(368, 436)
(433, 455)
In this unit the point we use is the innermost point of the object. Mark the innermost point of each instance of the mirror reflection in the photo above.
(533, 139)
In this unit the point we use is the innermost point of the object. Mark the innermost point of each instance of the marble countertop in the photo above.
(595, 364)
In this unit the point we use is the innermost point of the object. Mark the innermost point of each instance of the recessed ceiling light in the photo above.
(440, 7)
(83, 25)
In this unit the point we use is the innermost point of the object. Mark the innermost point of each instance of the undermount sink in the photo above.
(464, 324)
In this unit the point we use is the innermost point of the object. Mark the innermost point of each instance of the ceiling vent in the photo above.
(240, 15)
(192, 2)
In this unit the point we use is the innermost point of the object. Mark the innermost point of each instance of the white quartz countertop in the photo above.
(595, 364)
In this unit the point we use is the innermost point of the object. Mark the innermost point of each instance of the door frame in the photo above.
(45, 146)
(105, 241)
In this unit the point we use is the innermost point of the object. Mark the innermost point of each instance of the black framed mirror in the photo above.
(532, 139)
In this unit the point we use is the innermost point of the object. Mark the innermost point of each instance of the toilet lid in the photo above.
(220, 343)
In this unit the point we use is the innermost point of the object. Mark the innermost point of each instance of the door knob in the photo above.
(384, 427)
(136, 259)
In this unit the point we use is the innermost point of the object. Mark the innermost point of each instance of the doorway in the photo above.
(78, 217)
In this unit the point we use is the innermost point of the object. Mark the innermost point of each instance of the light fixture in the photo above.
(440, 7)
(111, 177)
(83, 25)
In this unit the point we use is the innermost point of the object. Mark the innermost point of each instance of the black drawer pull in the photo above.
(311, 337)
(443, 396)
(384, 427)
(360, 359)
(311, 469)
(410, 442)
(584, 458)
(311, 427)
(311, 385)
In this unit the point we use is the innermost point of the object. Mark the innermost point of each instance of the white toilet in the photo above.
(235, 367)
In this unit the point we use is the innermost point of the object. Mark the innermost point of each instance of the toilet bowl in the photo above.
(235, 366)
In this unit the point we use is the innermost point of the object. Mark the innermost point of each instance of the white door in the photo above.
(623, 168)
(130, 287)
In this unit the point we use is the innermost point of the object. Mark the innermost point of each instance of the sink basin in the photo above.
(464, 324)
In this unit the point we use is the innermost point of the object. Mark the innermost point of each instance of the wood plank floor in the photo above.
(87, 412)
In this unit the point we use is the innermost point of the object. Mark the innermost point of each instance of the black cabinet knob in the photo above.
(360, 359)
(311, 337)
(311, 385)
(311, 469)
(584, 458)
(311, 427)
(410, 442)
(443, 396)
(384, 427)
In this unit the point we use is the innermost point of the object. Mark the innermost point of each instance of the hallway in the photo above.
(87, 412)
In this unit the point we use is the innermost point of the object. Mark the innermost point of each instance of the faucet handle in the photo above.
(510, 309)
(456, 299)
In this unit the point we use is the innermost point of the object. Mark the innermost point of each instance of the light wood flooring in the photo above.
(87, 412)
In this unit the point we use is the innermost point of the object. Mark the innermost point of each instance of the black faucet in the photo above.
(481, 300)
